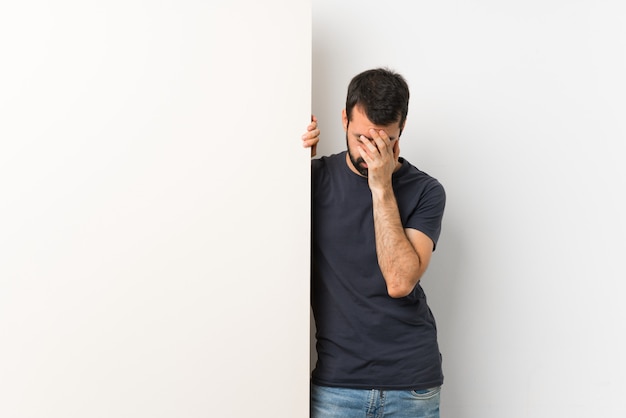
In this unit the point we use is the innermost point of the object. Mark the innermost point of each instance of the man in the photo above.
(375, 223)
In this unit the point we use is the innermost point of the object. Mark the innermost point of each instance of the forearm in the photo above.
(398, 260)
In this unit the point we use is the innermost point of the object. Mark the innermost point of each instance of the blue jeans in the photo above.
(329, 402)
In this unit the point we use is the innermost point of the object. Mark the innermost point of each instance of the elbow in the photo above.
(399, 291)
(401, 282)
(402, 286)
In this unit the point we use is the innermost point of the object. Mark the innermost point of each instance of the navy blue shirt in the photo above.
(365, 338)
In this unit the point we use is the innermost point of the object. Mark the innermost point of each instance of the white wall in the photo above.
(518, 108)
(154, 218)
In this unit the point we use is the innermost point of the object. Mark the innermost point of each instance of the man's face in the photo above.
(359, 126)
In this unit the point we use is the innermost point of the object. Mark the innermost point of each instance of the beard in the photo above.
(356, 162)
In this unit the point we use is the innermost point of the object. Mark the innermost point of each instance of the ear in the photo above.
(344, 119)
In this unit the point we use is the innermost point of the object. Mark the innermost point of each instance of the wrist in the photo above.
(382, 191)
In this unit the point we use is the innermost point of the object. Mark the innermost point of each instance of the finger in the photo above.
(366, 157)
(311, 138)
(367, 144)
(311, 134)
(310, 142)
(313, 118)
(379, 134)
(380, 138)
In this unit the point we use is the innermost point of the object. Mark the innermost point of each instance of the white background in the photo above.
(519, 109)
(154, 209)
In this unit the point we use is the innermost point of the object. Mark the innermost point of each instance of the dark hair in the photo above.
(383, 95)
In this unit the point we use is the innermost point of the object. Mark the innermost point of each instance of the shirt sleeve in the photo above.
(428, 213)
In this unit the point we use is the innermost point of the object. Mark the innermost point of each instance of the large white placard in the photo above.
(154, 218)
